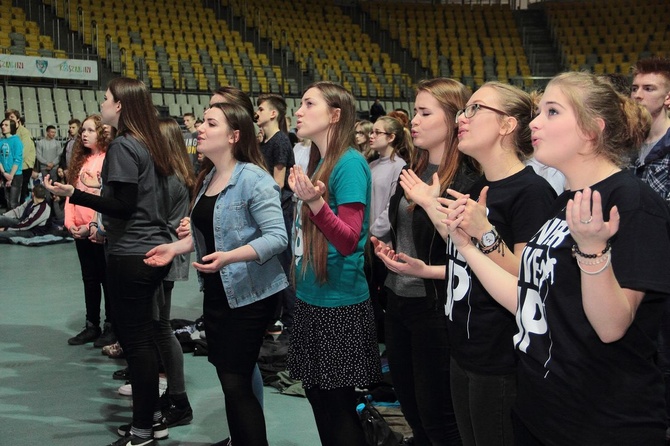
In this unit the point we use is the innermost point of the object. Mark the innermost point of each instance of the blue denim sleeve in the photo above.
(266, 211)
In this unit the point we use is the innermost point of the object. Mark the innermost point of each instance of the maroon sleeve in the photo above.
(344, 229)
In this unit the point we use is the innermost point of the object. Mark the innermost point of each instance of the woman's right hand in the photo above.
(161, 255)
(184, 228)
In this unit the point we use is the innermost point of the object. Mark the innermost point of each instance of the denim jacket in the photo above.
(247, 211)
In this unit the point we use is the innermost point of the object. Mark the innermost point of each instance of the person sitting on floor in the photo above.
(27, 220)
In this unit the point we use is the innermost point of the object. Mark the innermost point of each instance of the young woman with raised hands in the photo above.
(588, 294)
(237, 230)
(133, 204)
(508, 205)
(416, 328)
(333, 346)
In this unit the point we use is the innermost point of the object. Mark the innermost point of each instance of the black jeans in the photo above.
(418, 355)
(483, 406)
(131, 285)
(93, 270)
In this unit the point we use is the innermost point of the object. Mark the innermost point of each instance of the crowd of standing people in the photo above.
(506, 317)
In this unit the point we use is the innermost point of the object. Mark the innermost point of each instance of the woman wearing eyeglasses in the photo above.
(363, 130)
(507, 206)
(415, 324)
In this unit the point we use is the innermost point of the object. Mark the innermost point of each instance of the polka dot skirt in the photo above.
(334, 347)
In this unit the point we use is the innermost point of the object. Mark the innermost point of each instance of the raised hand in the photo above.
(56, 188)
(303, 187)
(475, 222)
(418, 191)
(584, 215)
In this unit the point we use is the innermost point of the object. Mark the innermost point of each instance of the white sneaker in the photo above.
(127, 388)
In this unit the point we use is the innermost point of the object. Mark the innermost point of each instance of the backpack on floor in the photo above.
(377, 430)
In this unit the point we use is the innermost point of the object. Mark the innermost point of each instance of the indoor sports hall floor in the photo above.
(55, 394)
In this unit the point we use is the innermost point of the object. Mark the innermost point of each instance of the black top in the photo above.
(480, 329)
(278, 151)
(573, 388)
(202, 218)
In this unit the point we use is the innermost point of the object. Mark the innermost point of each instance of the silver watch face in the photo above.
(488, 238)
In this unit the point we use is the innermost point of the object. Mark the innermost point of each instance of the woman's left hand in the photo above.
(212, 262)
(584, 215)
(56, 188)
(403, 264)
(79, 232)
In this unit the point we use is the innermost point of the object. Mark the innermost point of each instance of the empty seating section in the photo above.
(473, 44)
(609, 37)
(333, 48)
(172, 45)
(21, 36)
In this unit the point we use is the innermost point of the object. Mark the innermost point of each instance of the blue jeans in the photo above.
(418, 355)
(483, 406)
(131, 286)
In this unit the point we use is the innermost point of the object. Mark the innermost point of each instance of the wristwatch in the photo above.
(489, 238)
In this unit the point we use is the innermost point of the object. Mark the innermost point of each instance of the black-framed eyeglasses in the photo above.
(358, 132)
(379, 132)
(472, 110)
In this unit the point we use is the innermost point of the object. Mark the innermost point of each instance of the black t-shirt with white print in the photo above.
(573, 388)
(480, 329)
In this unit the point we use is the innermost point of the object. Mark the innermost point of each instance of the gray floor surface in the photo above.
(52, 393)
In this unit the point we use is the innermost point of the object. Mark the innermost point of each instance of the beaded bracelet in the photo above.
(597, 261)
(498, 245)
(608, 262)
(92, 224)
(577, 252)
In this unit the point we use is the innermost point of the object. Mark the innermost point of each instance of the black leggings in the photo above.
(336, 417)
(243, 411)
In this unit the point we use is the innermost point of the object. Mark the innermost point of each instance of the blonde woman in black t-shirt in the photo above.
(589, 290)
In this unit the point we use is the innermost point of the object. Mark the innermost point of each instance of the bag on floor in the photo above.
(377, 430)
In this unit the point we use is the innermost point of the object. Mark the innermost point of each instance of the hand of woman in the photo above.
(211, 262)
(475, 222)
(302, 186)
(418, 191)
(160, 255)
(454, 209)
(79, 232)
(381, 249)
(56, 188)
(94, 236)
(90, 179)
(404, 265)
(184, 228)
(584, 215)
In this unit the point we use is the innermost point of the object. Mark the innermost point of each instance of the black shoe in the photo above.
(175, 416)
(132, 440)
(106, 338)
(159, 428)
(89, 334)
(123, 374)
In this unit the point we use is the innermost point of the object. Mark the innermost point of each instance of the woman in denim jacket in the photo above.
(237, 229)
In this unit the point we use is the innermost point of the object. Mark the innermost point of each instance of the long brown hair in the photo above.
(80, 153)
(452, 96)
(183, 167)
(340, 139)
(139, 119)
